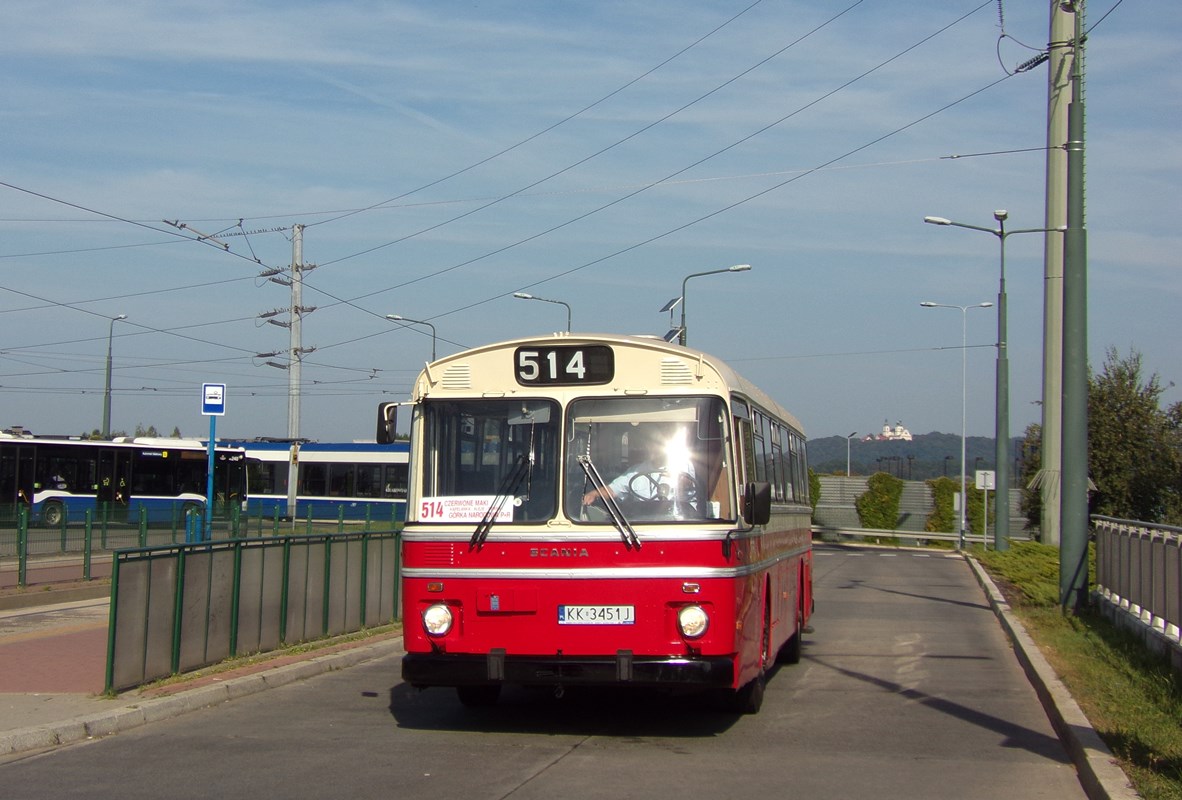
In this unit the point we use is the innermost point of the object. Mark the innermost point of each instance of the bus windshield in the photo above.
(660, 458)
(482, 455)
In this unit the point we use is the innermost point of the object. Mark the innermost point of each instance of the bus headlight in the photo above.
(693, 621)
(437, 619)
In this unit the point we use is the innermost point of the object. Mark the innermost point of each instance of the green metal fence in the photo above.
(82, 542)
(176, 608)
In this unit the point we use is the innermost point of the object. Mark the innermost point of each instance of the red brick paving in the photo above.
(72, 660)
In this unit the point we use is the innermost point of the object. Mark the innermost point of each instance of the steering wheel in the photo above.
(646, 487)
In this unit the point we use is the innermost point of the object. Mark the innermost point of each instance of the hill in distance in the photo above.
(927, 455)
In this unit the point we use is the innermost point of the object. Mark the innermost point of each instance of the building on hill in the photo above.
(889, 434)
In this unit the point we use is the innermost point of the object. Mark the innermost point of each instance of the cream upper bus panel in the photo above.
(641, 364)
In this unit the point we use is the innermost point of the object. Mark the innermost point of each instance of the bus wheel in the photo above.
(749, 698)
(479, 696)
(52, 514)
(790, 652)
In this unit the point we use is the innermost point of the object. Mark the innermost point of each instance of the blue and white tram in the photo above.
(349, 480)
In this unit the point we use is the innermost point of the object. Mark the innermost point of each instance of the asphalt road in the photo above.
(907, 689)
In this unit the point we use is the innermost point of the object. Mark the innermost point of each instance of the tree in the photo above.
(1133, 445)
(1030, 462)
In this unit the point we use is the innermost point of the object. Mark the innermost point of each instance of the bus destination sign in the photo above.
(564, 365)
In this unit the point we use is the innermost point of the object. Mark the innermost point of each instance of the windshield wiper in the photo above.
(508, 489)
(604, 493)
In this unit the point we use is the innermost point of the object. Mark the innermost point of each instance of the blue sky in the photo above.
(445, 155)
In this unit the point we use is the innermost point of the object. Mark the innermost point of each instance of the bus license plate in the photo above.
(596, 615)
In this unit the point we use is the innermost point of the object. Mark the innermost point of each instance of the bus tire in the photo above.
(790, 651)
(480, 696)
(52, 513)
(748, 699)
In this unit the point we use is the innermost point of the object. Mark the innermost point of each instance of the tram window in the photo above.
(264, 477)
(394, 484)
(369, 480)
(341, 480)
(314, 479)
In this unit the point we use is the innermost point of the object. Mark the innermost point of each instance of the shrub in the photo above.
(878, 506)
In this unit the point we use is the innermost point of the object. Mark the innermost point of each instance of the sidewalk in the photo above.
(53, 662)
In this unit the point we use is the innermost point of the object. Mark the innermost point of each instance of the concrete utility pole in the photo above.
(294, 362)
(1073, 509)
(1058, 97)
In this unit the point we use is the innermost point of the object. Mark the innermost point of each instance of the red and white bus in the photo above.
(602, 510)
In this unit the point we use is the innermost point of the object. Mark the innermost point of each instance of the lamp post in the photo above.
(1001, 429)
(681, 338)
(964, 347)
(847, 452)
(524, 296)
(107, 389)
(396, 318)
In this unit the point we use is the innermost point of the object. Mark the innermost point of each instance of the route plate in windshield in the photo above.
(596, 615)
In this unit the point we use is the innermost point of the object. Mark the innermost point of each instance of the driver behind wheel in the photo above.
(664, 475)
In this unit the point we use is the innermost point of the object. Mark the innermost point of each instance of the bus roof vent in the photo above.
(457, 376)
(675, 372)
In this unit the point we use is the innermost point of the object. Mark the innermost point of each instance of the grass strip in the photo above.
(1131, 697)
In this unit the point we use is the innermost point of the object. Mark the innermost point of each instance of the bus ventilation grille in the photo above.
(675, 372)
(458, 376)
(438, 554)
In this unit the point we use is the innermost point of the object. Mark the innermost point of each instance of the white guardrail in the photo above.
(1139, 570)
(914, 536)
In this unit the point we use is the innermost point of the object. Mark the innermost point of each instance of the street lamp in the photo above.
(1001, 429)
(681, 338)
(964, 347)
(107, 389)
(847, 452)
(396, 318)
(524, 296)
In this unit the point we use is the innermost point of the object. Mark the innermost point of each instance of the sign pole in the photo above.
(213, 405)
(213, 426)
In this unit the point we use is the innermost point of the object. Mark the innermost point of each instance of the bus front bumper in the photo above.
(446, 669)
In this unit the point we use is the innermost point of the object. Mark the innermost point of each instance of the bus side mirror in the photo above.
(387, 422)
(757, 503)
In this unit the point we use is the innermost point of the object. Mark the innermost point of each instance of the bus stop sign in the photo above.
(213, 399)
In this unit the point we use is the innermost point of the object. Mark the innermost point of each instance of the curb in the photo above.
(35, 597)
(1099, 773)
(142, 711)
